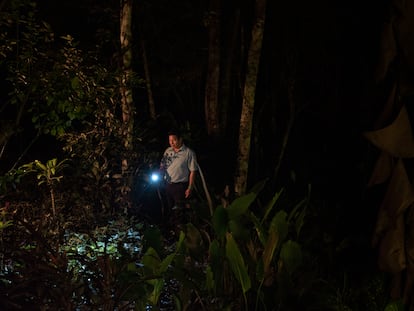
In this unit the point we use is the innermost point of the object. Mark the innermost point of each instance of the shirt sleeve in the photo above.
(192, 162)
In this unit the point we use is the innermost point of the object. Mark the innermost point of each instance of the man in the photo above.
(179, 164)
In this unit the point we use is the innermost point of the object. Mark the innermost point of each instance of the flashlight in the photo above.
(155, 177)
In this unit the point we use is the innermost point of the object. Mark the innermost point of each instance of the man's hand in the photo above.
(187, 193)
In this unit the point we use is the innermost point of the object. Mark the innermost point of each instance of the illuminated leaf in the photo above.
(236, 263)
(40, 165)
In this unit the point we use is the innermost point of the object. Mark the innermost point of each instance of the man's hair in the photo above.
(174, 133)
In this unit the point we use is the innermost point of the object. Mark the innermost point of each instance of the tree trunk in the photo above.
(212, 111)
(246, 117)
(126, 90)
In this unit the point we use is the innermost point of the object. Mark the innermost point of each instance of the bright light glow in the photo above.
(155, 177)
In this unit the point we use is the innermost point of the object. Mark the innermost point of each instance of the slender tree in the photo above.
(249, 91)
(125, 87)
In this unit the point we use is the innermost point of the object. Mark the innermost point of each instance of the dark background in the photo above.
(332, 48)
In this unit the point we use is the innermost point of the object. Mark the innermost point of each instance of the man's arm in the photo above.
(191, 180)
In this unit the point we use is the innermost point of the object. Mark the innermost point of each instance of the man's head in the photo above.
(175, 140)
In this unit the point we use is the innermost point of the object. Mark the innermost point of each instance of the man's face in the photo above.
(174, 141)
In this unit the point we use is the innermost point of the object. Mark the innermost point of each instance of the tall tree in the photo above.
(126, 88)
(249, 91)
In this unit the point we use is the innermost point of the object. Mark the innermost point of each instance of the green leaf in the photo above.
(216, 255)
(240, 205)
(270, 205)
(194, 241)
(298, 213)
(156, 292)
(151, 260)
(291, 255)
(260, 269)
(40, 165)
(132, 267)
(180, 242)
(166, 263)
(260, 230)
(236, 263)
(239, 229)
(60, 130)
(71, 115)
(280, 224)
(269, 249)
(61, 106)
(220, 220)
(5, 224)
(49, 101)
(75, 83)
(395, 306)
(51, 163)
(210, 279)
(178, 303)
